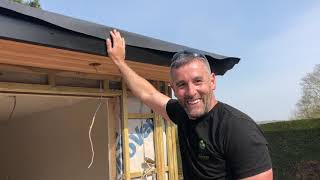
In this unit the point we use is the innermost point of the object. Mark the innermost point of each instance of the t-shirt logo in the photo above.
(203, 153)
(202, 144)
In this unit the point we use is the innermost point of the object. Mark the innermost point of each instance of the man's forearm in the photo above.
(139, 86)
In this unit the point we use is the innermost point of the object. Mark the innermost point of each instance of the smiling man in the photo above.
(216, 140)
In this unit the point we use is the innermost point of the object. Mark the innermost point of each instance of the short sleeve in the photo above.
(175, 111)
(246, 149)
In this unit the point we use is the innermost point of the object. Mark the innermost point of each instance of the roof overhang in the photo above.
(35, 26)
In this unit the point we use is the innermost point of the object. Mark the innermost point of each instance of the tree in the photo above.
(31, 3)
(17, 1)
(309, 104)
(34, 3)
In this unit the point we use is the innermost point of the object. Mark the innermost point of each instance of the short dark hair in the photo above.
(184, 57)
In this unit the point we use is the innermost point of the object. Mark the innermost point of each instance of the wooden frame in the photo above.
(111, 126)
(161, 168)
(45, 64)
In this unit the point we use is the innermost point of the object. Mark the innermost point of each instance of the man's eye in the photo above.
(180, 85)
(199, 81)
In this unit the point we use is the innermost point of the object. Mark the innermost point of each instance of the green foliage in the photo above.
(35, 4)
(309, 104)
(17, 1)
(292, 143)
(292, 125)
(31, 3)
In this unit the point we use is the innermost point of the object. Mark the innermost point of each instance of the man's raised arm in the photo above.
(139, 86)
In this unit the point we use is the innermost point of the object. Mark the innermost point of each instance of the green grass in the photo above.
(291, 143)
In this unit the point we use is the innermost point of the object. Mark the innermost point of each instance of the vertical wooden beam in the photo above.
(158, 139)
(174, 143)
(111, 128)
(125, 132)
(175, 157)
(106, 85)
(51, 80)
(170, 152)
(174, 150)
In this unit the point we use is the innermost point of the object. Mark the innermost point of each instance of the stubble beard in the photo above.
(204, 109)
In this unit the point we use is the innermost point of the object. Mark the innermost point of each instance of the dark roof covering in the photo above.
(32, 25)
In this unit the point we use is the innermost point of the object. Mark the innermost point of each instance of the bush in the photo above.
(293, 145)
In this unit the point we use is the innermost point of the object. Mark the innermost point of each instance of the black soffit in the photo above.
(26, 24)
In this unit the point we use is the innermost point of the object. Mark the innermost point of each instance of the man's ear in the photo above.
(213, 81)
(171, 86)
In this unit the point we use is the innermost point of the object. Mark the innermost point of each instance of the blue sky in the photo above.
(278, 41)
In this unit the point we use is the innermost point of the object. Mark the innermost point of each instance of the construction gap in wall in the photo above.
(46, 137)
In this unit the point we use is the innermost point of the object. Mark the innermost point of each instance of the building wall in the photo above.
(54, 145)
(3, 151)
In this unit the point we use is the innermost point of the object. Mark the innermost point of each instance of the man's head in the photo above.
(193, 83)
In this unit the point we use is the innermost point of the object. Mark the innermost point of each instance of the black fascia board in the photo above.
(32, 25)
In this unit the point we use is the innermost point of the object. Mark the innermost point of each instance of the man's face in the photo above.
(193, 86)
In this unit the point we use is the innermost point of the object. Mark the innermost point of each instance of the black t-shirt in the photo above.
(223, 144)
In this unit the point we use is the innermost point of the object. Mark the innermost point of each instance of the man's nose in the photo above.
(191, 90)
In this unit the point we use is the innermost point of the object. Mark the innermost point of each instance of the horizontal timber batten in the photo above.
(58, 73)
(140, 115)
(24, 54)
(57, 90)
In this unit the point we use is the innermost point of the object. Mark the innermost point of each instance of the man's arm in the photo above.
(139, 86)
(267, 175)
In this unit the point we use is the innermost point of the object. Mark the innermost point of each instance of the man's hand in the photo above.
(116, 51)
(139, 86)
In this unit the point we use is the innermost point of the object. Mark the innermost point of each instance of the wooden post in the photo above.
(158, 140)
(125, 132)
(52, 80)
(106, 85)
(111, 129)
(173, 131)
(170, 152)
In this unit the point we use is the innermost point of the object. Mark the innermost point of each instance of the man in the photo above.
(217, 141)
